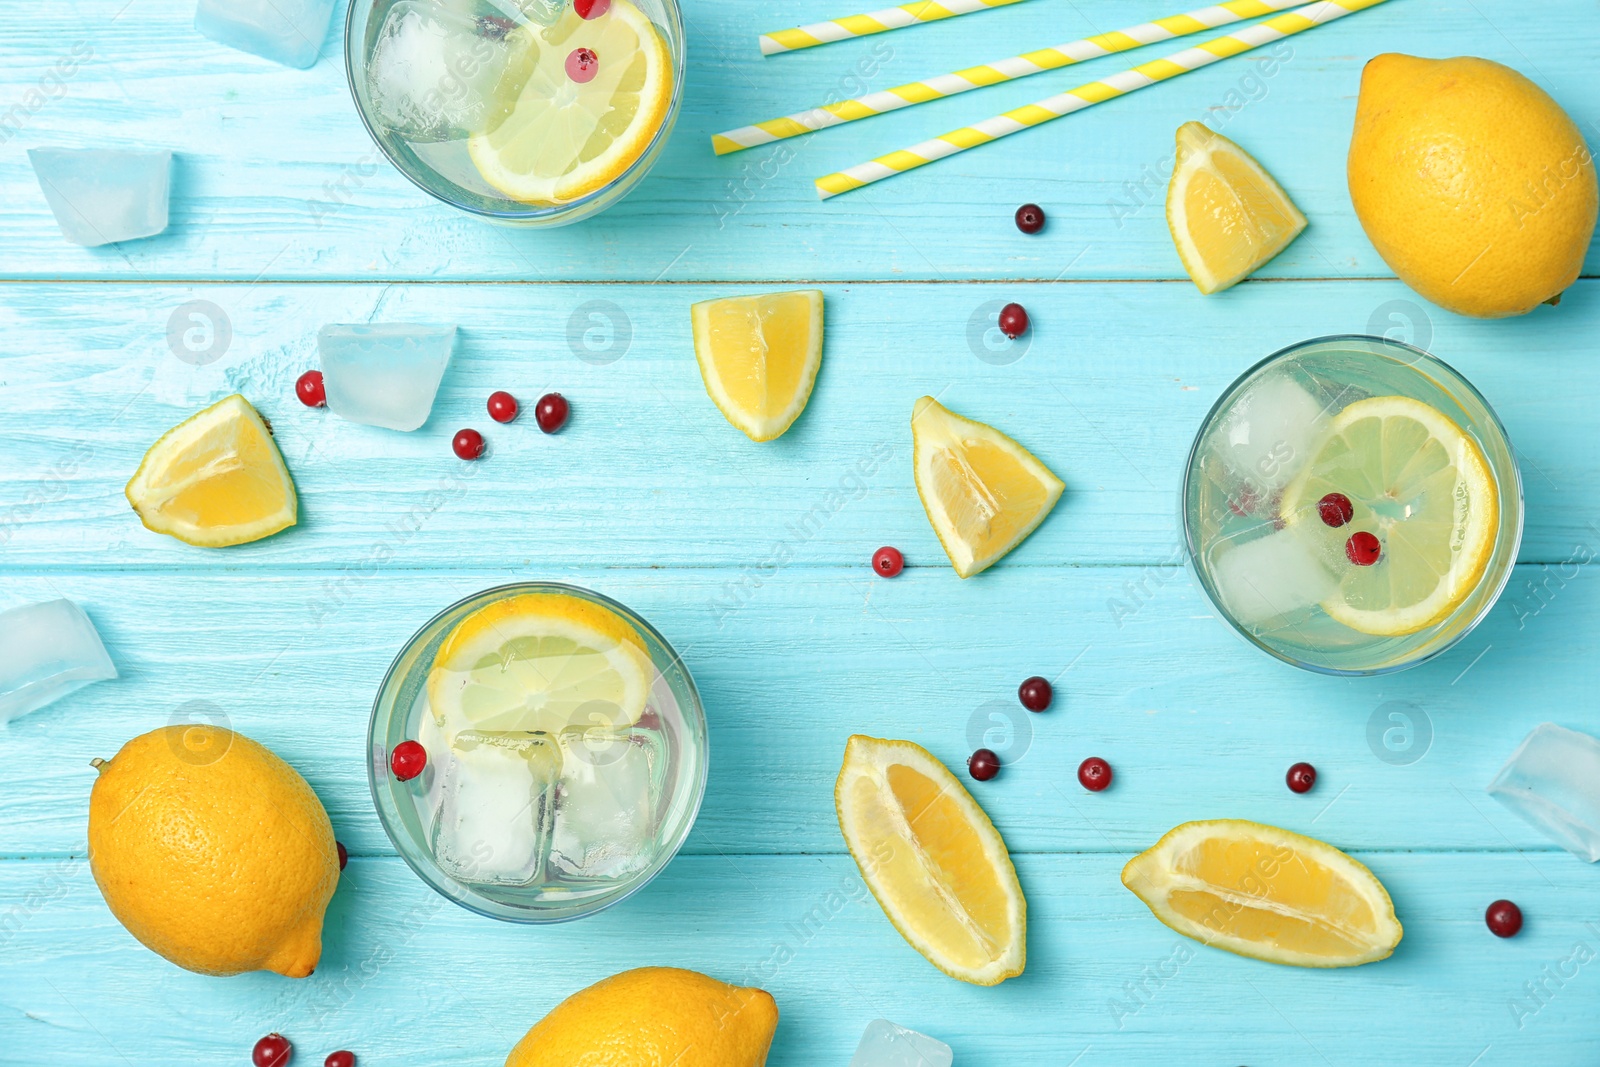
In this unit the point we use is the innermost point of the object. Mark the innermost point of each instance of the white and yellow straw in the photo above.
(1004, 70)
(1120, 84)
(891, 18)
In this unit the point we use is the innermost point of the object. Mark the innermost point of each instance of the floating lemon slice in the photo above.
(562, 138)
(982, 491)
(1227, 215)
(1265, 893)
(759, 356)
(540, 662)
(933, 859)
(1417, 482)
(215, 480)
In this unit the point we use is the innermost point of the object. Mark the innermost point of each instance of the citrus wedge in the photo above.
(1422, 486)
(1266, 893)
(933, 859)
(215, 480)
(759, 357)
(561, 139)
(983, 492)
(1227, 215)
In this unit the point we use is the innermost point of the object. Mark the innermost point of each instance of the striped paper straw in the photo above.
(890, 18)
(1004, 70)
(1140, 77)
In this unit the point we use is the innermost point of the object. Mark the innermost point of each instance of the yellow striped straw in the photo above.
(1004, 70)
(1120, 84)
(890, 18)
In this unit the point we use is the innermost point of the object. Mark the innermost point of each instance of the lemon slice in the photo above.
(1226, 213)
(759, 357)
(562, 139)
(215, 480)
(982, 491)
(933, 859)
(539, 662)
(1421, 485)
(1266, 893)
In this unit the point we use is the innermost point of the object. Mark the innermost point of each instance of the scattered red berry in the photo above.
(1363, 549)
(344, 856)
(1335, 509)
(551, 412)
(586, 9)
(888, 561)
(1035, 693)
(407, 760)
(468, 444)
(273, 1050)
(343, 1058)
(1301, 777)
(1504, 918)
(1013, 321)
(583, 65)
(983, 765)
(502, 406)
(308, 387)
(1094, 774)
(1030, 218)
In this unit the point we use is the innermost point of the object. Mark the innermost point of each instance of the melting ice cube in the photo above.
(495, 797)
(886, 1045)
(1267, 436)
(290, 32)
(1552, 781)
(605, 809)
(1270, 577)
(384, 375)
(47, 651)
(101, 196)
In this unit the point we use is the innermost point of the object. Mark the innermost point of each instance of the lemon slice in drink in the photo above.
(562, 138)
(759, 356)
(1421, 485)
(540, 662)
(216, 479)
(1227, 214)
(933, 859)
(982, 491)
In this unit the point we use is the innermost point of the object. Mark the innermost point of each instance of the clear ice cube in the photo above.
(1270, 577)
(102, 196)
(1266, 438)
(886, 1045)
(1552, 781)
(290, 32)
(47, 651)
(384, 375)
(495, 796)
(605, 807)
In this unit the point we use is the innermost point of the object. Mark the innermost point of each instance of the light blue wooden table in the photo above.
(285, 218)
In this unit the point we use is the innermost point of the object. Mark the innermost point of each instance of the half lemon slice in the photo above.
(933, 859)
(759, 356)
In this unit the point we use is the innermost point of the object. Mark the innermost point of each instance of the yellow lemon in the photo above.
(213, 852)
(759, 357)
(653, 1017)
(1472, 183)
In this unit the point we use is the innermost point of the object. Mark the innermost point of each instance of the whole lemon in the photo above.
(1474, 186)
(652, 1017)
(213, 852)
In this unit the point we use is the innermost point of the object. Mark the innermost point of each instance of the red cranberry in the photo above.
(586, 9)
(344, 856)
(308, 387)
(583, 65)
(551, 412)
(1035, 694)
(273, 1050)
(1363, 549)
(983, 765)
(1301, 777)
(407, 760)
(1504, 918)
(1094, 774)
(1335, 509)
(1244, 501)
(343, 1058)
(1013, 321)
(468, 444)
(1030, 218)
(888, 561)
(502, 406)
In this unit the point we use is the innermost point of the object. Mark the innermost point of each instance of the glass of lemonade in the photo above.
(532, 112)
(566, 752)
(1351, 505)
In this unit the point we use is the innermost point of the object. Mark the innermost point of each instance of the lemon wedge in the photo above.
(1422, 486)
(215, 480)
(1227, 215)
(561, 139)
(759, 356)
(933, 859)
(983, 492)
(1266, 893)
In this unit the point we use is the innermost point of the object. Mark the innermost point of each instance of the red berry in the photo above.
(308, 387)
(407, 760)
(583, 65)
(468, 444)
(551, 412)
(1363, 549)
(586, 9)
(1301, 777)
(1035, 694)
(1244, 501)
(1094, 774)
(344, 856)
(1504, 918)
(343, 1058)
(1030, 218)
(273, 1050)
(502, 406)
(1013, 321)
(983, 765)
(888, 561)
(1335, 509)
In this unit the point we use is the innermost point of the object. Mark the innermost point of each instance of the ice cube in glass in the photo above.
(1266, 438)
(605, 806)
(384, 375)
(100, 196)
(1270, 577)
(290, 32)
(886, 1045)
(1552, 781)
(47, 651)
(495, 796)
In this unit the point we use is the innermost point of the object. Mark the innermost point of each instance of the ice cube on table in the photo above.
(1266, 437)
(886, 1045)
(1270, 577)
(496, 791)
(47, 651)
(290, 32)
(605, 806)
(384, 375)
(1552, 781)
(102, 196)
